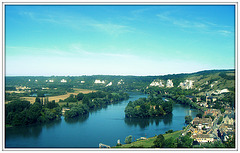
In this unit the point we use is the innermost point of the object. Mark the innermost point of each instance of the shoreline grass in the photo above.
(148, 143)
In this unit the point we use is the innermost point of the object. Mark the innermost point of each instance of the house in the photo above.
(203, 121)
(82, 81)
(202, 138)
(210, 98)
(227, 120)
(99, 81)
(63, 80)
(190, 97)
(120, 82)
(226, 130)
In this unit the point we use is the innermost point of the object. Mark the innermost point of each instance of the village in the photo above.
(213, 125)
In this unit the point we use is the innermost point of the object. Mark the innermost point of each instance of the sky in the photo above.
(45, 40)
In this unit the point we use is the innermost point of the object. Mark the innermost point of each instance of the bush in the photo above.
(128, 139)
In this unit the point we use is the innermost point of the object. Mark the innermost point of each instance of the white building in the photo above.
(120, 82)
(157, 84)
(169, 83)
(63, 80)
(109, 84)
(82, 81)
(187, 84)
(99, 81)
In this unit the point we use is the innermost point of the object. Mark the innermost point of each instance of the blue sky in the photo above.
(118, 40)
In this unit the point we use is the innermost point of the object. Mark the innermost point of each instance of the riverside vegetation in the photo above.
(19, 112)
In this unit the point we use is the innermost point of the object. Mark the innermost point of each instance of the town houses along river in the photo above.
(106, 125)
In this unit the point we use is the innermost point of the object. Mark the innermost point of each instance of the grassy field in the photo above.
(148, 143)
(57, 98)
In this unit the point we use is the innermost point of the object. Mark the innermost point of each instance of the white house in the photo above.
(82, 81)
(120, 82)
(63, 80)
(99, 81)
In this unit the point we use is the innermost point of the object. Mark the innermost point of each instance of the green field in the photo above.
(148, 143)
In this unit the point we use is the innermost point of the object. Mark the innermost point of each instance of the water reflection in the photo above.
(143, 123)
(33, 131)
(79, 119)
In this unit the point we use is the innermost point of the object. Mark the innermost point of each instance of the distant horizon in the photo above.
(135, 40)
(116, 75)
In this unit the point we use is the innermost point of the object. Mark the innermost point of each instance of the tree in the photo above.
(80, 96)
(159, 142)
(188, 119)
(199, 115)
(128, 139)
(185, 142)
(230, 143)
(85, 100)
(222, 110)
(169, 143)
(37, 100)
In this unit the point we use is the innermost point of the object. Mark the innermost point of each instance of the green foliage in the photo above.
(148, 107)
(222, 110)
(188, 119)
(185, 142)
(220, 120)
(71, 98)
(93, 100)
(159, 142)
(230, 143)
(225, 76)
(199, 115)
(78, 110)
(128, 139)
(169, 131)
(80, 96)
(21, 113)
(169, 143)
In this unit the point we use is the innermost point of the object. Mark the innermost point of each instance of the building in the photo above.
(82, 81)
(157, 84)
(203, 121)
(120, 82)
(99, 81)
(63, 80)
(202, 138)
(187, 84)
(169, 83)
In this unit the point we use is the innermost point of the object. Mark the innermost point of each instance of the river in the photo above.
(105, 125)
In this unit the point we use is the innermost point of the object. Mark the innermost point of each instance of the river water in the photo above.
(105, 125)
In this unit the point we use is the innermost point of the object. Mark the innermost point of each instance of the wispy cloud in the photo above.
(198, 25)
(111, 53)
(79, 22)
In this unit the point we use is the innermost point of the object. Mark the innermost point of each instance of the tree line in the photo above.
(92, 100)
(22, 113)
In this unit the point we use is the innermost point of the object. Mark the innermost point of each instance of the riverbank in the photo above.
(148, 143)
